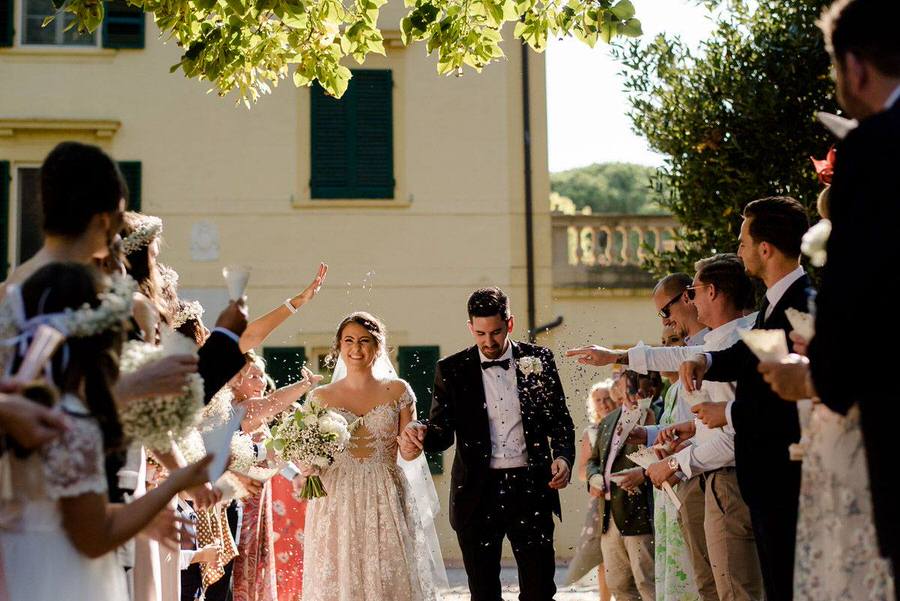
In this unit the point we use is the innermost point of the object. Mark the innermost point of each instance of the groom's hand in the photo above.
(560, 470)
(412, 440)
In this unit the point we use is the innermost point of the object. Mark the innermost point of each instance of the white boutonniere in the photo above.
(530, 365)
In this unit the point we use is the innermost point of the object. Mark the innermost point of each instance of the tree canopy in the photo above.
(736, 120)
(611, 188)
(248, 46)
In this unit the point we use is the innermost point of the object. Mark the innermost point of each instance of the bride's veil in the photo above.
(421, 484)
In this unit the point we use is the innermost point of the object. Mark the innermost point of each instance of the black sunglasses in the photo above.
(665, 312)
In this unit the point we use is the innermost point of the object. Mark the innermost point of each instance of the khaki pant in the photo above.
(691, 518)
(628, 562)
(730, 540)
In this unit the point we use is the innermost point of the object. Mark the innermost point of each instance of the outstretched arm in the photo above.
(261, 410)
(259, 329)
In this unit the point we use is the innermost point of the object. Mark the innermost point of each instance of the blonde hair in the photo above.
(607, 385)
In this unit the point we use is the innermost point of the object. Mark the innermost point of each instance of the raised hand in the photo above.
(632, 479)
(560, 471)
(30, 424)
(597, 356)
(692, 372)
(234, 317)
(676, 434)
(310, 292)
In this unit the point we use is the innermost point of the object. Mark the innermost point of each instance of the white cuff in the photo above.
(290, 471)
(637, 359)
(708, 360)
(684, 461)
(728, 414)
(185, 558)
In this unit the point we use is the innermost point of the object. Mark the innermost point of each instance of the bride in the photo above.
(372, 538)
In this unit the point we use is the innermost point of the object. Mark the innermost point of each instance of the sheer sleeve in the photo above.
(407, 399)
(73, 463)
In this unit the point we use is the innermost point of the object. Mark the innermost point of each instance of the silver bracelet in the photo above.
(290, 306)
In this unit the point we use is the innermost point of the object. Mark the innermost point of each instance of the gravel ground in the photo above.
(584, 590)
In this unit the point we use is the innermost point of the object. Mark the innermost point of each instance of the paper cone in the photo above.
(236, 278)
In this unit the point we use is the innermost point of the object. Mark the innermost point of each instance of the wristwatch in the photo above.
(673, 463)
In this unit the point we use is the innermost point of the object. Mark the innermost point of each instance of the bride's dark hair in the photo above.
(89, 365)
(373, 326)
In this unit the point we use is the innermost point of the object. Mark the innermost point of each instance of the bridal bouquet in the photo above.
(311, 435)
(156, 421)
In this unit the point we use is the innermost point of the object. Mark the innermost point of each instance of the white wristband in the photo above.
(290, 306)
(261, 451)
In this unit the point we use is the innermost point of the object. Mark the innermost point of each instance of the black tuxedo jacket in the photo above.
(856, 314)
(765, 425)
(459, 410)
(220, 359)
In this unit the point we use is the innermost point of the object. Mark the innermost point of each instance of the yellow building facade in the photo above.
(444, 214)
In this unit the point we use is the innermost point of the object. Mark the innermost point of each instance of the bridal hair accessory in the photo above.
(148, 228)
(825, 167)
(187, 310)
(169, 276)
(112, 313)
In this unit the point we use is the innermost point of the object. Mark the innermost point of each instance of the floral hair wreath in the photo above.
(169, 276)
(112, 313)
(146, 231)
(187, 310)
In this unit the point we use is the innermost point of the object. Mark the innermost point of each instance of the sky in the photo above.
(586, 107)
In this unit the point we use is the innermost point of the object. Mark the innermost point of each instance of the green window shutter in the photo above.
(131, 171)
(283, 363)
(352, 154)
(5, 184)
(123, 25)
(7, 20)
(417, 366)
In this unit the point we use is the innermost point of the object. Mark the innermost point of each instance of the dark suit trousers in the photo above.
(773, 500)
(511, 506)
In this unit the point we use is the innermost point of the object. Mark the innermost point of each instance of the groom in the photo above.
(502, 400)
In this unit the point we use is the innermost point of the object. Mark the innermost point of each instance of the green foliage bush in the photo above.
(611, 188)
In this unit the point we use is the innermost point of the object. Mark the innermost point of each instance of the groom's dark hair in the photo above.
(867, 28)
(726, 272)
(487, 302)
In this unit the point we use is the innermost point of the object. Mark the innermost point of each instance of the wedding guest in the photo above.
(865, 49)
(627, 530)
(765, 425)
(588, 553)
(650, 386)
(31, 425)
(837, 554)
(672, 557)
(64, 485)
(141, 238)
(670, 299)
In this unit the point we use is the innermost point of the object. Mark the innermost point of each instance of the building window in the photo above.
(29, 216)
(284, 363)
(34, 12)
(352, 155)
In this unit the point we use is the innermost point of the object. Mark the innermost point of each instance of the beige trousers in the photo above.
(691, 518)
(729, 538)
(628, 562)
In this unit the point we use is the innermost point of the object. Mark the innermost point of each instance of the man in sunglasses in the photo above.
(714, 518)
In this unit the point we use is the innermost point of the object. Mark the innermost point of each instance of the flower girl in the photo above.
(60, 532)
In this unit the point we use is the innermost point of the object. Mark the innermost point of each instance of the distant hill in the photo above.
(609, 188)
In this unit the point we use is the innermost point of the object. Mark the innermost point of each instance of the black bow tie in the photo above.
(504, 363)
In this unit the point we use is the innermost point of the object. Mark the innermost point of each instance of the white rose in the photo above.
(530, 365)
(321, 462)
(310, 421)
(329, 426)
(814, 241)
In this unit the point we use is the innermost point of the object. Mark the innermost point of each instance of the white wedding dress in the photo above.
(40, 562)
(364, 541)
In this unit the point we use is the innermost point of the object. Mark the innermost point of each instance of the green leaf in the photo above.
(632, 28)
(623, 10)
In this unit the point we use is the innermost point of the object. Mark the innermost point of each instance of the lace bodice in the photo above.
(374, 434)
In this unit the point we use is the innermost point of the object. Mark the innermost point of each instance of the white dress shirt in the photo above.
(774, 295)
(501, 393)
(713, 448)
(892, 99)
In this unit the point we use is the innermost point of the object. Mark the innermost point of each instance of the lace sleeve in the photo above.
(74, 462)
(407, 399)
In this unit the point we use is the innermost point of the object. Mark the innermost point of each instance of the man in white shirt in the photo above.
(670, 298)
